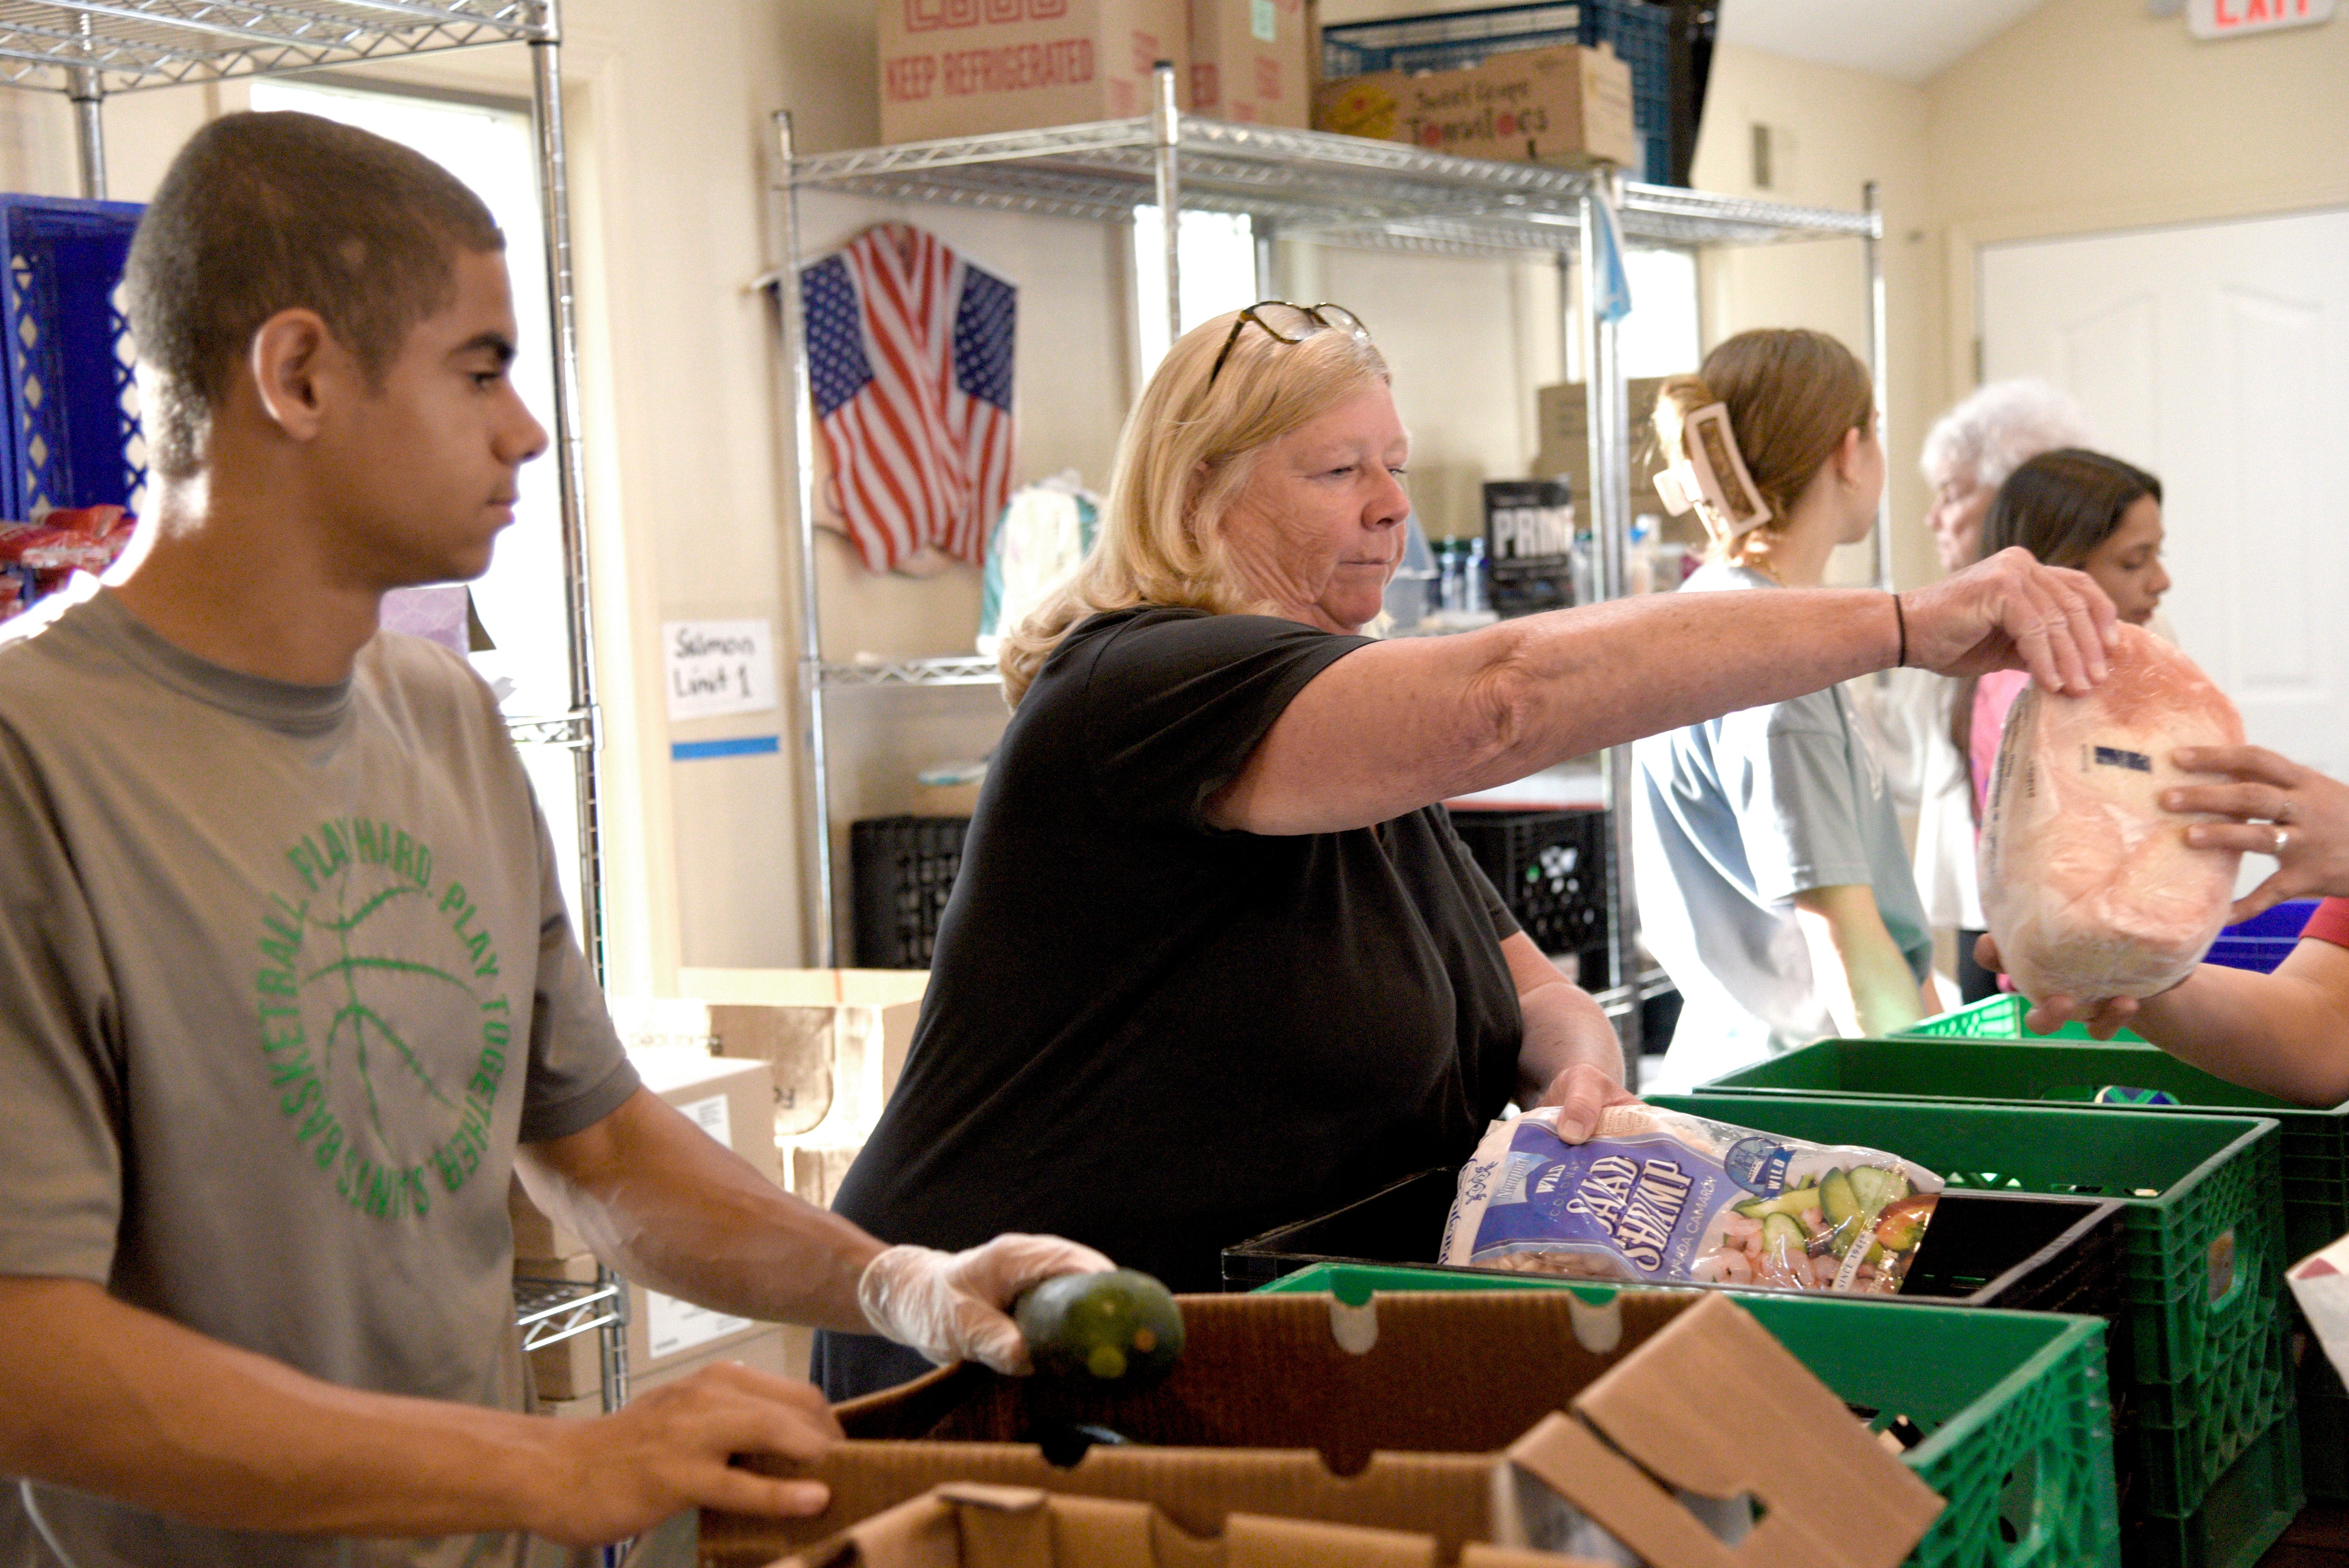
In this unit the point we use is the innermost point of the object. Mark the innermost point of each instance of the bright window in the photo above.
(1218, 270)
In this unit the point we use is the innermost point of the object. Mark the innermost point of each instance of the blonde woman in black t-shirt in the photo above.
(1214, 959)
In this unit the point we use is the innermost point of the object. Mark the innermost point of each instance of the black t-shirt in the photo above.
(1160, 1037)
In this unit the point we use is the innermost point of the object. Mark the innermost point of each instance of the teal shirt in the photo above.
(1730, 819)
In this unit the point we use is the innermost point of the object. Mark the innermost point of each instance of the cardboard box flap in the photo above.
(1766, 1427)
(965, 1524)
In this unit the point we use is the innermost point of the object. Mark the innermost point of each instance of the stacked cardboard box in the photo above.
(967, 68)
(835, 1040)
(1567, 106)
(1562, 420)
(964, 67)
(1250, 62)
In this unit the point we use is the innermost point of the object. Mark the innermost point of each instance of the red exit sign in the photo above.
(2232, 18)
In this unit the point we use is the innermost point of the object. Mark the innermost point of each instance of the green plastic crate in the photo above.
(1980, 1070)
(2246, 1511)
(2315, 1149)
(2013, 1404)
(2202, 1255)
(2000, 1018)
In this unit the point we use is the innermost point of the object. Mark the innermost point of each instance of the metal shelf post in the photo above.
(1872, 245)
(821, 941)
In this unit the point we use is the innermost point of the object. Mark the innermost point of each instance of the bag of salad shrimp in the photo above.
(1657, 1197)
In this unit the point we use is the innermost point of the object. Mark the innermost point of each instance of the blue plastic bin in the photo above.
(1638, 33)
(73, 437)
(2263, 941)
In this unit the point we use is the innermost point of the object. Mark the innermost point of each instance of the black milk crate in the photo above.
(903, 869)
(1551, 870)
(2021, 1252)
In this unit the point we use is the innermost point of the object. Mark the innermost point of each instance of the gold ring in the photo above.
(2281, 838)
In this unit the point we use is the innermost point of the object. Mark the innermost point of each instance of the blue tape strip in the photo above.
(739, 746)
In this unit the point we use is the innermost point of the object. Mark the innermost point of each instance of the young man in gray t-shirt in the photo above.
(291, 987)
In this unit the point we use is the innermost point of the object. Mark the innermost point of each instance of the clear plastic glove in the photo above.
(955, 1306)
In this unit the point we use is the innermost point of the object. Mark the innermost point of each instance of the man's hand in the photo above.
(952, 1306)
(2010, 612)
(2102, 1016)
(2275, 807)
(668, 1450)
(1580, 1093)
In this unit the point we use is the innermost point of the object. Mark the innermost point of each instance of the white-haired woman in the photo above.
(1968, 454)
(1214, 959)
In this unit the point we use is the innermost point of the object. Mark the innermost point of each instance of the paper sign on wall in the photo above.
(2232, 18)
(718, 667)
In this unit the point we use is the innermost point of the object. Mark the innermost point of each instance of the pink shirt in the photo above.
(1993, 695)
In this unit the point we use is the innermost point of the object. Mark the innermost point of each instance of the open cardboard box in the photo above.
(1024, 1527)
(1512, 1418)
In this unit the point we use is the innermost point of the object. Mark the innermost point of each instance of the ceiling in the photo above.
(1910, 39)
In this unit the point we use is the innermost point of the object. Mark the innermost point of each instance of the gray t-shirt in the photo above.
(288, 976)
(1730, 819)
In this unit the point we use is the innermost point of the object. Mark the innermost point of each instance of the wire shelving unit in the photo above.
(91, 49)
(1297, 185)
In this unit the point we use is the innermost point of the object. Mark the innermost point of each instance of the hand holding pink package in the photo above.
(2088, 886)
(1658, 1197)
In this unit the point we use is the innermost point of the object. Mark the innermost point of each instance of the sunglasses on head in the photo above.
(1323, 315)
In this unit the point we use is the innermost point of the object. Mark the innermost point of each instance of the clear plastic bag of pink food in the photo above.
(1658, 1197)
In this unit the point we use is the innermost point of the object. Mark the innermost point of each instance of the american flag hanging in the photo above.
(909, 355)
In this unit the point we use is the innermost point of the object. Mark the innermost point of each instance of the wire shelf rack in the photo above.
(950, 670)
(1337, 190)
(550, 1310)
(120, 45)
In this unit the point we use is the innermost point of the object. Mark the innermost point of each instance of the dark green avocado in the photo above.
(1120, 1326)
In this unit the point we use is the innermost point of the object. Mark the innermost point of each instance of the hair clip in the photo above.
(1710, 450)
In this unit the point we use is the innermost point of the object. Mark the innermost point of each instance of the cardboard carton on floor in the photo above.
(1024, 1527)
(732, 1099)
(1248, 62)
(965, 68)
(768, 1350)
(835, 1039)
(1515, 1418)
(1567, 106)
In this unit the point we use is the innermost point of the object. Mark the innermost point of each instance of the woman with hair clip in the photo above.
(1214, 960)
(2071, 508)
(1775, 889)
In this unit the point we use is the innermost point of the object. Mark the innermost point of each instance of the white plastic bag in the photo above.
(1655, 1196)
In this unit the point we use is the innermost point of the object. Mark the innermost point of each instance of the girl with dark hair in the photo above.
(2069, 508)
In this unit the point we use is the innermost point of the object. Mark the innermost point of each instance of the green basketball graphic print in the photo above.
(385, 1019)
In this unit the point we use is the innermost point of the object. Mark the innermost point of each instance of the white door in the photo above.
(2218, 357)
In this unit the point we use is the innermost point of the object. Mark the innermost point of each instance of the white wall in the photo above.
(2091, 115)
(1832, 131)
